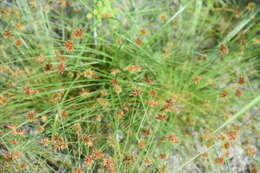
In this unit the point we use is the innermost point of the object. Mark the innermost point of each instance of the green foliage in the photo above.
(121, 86)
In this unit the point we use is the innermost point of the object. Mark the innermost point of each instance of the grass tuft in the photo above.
(129, 86)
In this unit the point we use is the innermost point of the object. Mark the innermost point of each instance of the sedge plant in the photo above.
(128, 86)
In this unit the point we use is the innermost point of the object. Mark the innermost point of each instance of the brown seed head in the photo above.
(224, 49)
(64, 114)
(220, 160)
(138, 42)
(161, 117)
(45, 142)
(173, 138)
(143, 31)
(136, 92)
(141, 144)
(223, 93)
(134, 68)
(197, 79)
(238, 93)
(89, 160)
(69, 45)
(78, 33)
(7, 34)
(88, 141)
(61, 67)
(18, 43)
(78, 170)
(31, 115)
(242, 80)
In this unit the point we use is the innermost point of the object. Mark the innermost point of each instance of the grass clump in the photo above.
(127, 86)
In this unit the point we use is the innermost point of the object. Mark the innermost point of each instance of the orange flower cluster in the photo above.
(120, 114)
(59, 143)
(134, 68)
(78, 170)
(69, 45)
(29, 91)
(138, 42)
(173, 138)
(61, 67)
(89, 160)
(153, 93)
(18, 42)
(238, 93)
(115, 71)
(197, 79)
(143, 31)
(107, 15)
(102, 101)
(47, 67)
(162, 156)
(169, 104)
(147, 132)
(136, 92)
(96, 155)
(7, 34)
(163, 17)
(148, 80)
(31, 116)
(45, 142)
(90, 74)
(16, 131)
(114, 82)
(242, 80)
(64, 114)
(224, 49)
(129, 158)
(220, 160)
(87, 140)
(78, 33)
(152, 103)
(13, 156)
(110, 165)
(141, 144)
(232, 135)
(78, 128)
(3, 100)
(161, 117)
(224, 93)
